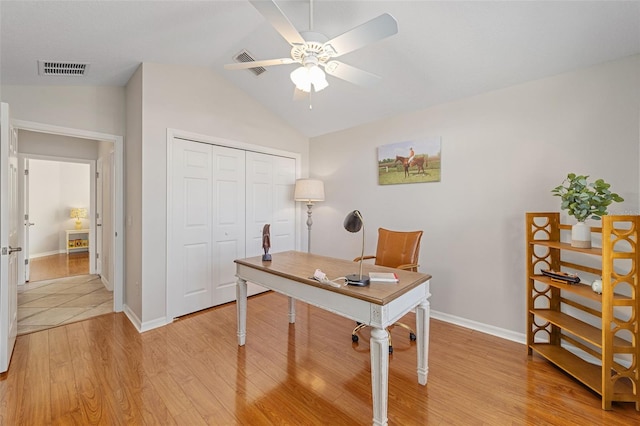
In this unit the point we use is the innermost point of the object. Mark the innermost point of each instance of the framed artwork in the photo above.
(409, 162)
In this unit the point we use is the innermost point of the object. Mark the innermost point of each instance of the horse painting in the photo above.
(418, 161)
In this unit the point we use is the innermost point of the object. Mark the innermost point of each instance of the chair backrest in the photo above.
(398, 248)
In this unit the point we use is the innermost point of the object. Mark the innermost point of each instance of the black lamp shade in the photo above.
(353, 221)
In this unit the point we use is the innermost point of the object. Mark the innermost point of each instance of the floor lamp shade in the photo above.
(309, 191)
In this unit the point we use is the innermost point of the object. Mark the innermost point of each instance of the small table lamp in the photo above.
(354, 223)
(309, 190)
(77, 213)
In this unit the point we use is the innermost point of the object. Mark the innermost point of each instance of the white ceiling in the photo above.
(444, 50)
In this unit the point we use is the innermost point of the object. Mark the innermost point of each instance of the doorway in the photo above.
(114, 236)
(61, 284)
(57, 201)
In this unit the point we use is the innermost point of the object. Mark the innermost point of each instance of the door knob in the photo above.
(12, 249)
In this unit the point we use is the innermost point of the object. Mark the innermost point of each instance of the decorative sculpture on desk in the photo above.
(266, 243)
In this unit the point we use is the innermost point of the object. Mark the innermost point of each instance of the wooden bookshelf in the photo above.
(593, 337)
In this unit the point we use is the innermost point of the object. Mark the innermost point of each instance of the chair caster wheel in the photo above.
(390, 350)
(412, 337)
(354, 338)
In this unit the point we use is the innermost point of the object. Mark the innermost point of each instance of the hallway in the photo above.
(61, 291)
(58, 266)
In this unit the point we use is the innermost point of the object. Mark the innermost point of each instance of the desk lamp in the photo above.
(353, 223)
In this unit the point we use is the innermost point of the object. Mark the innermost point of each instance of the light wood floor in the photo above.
(58, 266)
(192, 372)
(60, 291)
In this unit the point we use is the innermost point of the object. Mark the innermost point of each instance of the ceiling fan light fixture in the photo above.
(300, 77)
(318, 78)
(305, 86)
(303, 77)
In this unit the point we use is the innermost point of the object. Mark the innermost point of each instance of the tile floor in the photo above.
(46, 304)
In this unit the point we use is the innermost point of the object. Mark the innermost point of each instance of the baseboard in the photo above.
(132, 317)
(106, 283)
(144, 326)
(518, 337)
(157, 323)
(478, 326)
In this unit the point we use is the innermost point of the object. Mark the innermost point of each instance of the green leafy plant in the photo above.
(584, 200)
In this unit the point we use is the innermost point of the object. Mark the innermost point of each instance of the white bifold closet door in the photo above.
(270, 183)
(220, 198)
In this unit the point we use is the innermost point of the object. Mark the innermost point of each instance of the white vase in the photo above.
(597, 286)
(581, 235)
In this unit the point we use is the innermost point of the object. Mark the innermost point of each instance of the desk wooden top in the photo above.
(299, 266)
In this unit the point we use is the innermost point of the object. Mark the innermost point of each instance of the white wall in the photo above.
(133, 195)
(55, 187)
(56, 146)
(44, 236)
(98, 109)
(502, 153)
(190, 99)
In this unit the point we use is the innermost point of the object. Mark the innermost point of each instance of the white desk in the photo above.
(378, 305)
(80, 234)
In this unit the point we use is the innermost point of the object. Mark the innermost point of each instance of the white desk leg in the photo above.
(292, 310)
(379, 345)
(422, 325)
(241, 310)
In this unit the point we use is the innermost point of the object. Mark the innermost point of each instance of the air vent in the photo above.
(245, 56)
(62, 68)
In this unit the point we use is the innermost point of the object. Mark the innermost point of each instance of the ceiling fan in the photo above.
(315, 52)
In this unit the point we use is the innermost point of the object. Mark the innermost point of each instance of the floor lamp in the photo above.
(309, 190)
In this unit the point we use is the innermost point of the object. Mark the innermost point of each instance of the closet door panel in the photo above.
(228, 220)
(259, 201)
(189, 279)
(283, 221)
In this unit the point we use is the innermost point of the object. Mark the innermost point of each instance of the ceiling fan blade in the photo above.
(371, 31)
(256, 64)
(278, 20)
(351, 74)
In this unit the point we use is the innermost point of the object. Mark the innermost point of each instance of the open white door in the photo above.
(8, 237)
(27, 222)
(99, 195)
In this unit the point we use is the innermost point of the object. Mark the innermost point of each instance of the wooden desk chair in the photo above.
(395, 250)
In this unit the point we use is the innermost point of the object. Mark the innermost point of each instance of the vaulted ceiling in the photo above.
(444, 50)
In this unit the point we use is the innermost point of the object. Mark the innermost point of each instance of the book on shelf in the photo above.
(385, 277)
